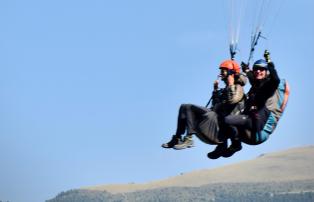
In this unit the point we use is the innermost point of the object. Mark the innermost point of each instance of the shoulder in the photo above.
(241, 80)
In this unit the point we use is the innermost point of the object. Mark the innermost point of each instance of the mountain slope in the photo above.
(290, 165)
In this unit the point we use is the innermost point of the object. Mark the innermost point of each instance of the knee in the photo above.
(228, 119)
(185, 106)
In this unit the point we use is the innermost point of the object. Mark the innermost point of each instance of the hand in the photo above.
(245, 67)
(230, 80)
(216, 83)
(267, 56)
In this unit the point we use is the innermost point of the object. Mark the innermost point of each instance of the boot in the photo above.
(187, 143)
(219, 150)
(234, 147)
(174, 140)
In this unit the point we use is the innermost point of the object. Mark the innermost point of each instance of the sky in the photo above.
(89, 90)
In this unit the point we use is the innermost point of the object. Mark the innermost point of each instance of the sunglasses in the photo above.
(226, 72)
(259, 68)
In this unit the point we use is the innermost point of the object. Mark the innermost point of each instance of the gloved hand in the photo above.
(245, 67)
(267, 56)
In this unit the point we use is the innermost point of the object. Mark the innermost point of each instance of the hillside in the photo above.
(280, 176)
(289, 165)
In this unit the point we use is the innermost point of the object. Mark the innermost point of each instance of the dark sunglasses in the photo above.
(226, 71)
(259, 68)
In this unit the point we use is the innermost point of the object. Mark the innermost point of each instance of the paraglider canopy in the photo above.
(257, 16)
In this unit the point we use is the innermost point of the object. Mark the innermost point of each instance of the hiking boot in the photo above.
(234, 147)
(187, 143)
(174, 140)
(219, 150)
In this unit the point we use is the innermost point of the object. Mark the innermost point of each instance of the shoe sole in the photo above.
(190, 146)
(213, 158)
(166, 147)
(231, 153)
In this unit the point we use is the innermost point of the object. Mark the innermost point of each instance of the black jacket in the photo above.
(261, 90)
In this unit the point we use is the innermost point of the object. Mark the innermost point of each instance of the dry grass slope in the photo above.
(293, 164)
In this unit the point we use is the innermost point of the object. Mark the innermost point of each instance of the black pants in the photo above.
(238, 123)
(248, 127)
(243, 121)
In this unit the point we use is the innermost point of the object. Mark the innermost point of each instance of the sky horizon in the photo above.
(90, 90)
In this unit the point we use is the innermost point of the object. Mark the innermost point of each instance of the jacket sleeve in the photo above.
(234, 94)
(273, 73)
(250, 76)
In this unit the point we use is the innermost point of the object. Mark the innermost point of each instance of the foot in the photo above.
(234, 147)
(175, 140)
(187, 143)
(219, 150)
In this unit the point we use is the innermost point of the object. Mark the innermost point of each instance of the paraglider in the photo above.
(249, 119)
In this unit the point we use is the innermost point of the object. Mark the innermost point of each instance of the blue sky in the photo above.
(90, 89)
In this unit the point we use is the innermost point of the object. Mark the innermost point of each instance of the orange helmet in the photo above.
(230, 65)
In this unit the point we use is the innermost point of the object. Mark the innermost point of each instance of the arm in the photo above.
(234, 93)
(250, 76)
(246, 70)
(273, 73)
(274, 78)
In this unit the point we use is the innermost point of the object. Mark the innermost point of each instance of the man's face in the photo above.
(259, 73)
(223, 73)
